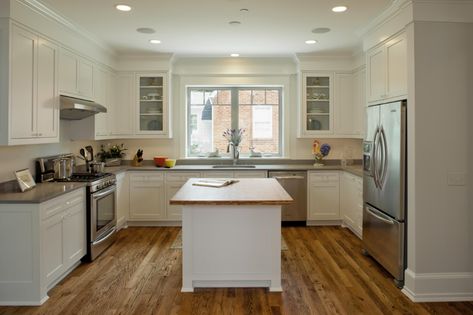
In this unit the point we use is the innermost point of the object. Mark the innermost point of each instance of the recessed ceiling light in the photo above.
(311, 41)
(244, 10)
(155, 41)
(123, 7)
(145, 30)
(320, 30)
(234, 55)
(234, 23)
(339, 8)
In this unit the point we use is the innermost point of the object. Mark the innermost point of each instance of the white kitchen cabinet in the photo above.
(174, 182)
(103, 95)
(76, 76)
(49, 241)
(351, 202)
(324, 196)
(317, 104)
(387, 70)
(123, 199)
(218, 174)
(123, 112)
(147, 196)
(30, 112)
(64, 238)
(349, 104)
(250, 174)
(152, 111)
(359, 101)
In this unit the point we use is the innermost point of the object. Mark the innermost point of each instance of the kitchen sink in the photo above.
(234, 166)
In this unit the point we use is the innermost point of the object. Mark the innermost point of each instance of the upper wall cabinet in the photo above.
(317, 106)
(332, 104)
(30, 101)
(152, 105)
(387, 70)
(76, 76)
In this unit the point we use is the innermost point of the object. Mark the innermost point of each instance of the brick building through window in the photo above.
(213, 110)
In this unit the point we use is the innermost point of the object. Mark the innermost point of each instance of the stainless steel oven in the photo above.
(103, 219)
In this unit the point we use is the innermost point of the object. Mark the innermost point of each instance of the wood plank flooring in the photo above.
(323, 272)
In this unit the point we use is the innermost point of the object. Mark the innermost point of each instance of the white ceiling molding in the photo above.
(394, 9)
(40, 8)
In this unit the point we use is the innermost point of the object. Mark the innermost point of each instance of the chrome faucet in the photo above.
(235, 152)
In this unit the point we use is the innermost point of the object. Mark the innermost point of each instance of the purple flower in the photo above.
(325, 149)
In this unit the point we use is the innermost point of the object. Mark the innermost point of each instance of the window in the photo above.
(211, 111)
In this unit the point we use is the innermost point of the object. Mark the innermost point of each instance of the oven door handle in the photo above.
(103, 239)
(105, 192)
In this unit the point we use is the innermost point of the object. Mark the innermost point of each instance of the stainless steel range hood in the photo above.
(76, 108)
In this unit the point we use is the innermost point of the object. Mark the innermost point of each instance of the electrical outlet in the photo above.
(456, 179)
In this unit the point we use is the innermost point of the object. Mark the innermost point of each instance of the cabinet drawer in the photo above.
(181, 176)
(146, 177)
(62, 203)
(250, 174)
(323, 177)
(218, 174)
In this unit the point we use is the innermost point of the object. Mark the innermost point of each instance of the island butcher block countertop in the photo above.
(247, 191)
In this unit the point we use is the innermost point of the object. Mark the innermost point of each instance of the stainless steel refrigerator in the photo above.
(384, 187)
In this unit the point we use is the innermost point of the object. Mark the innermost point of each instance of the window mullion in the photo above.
(235, 109)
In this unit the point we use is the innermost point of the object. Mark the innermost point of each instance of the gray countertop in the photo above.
(353, 169)
(11, 193)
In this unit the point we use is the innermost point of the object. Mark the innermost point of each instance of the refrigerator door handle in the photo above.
(383, 218)
(384, 163)
(374, 158)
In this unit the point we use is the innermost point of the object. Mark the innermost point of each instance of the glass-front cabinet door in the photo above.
(317, 110)
(152, 104)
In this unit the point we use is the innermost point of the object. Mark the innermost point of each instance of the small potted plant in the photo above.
(112, 156)
(319, 152)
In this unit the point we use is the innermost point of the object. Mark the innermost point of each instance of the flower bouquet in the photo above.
(319, 152)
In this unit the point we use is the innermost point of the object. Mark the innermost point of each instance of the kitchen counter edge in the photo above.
(42, 192)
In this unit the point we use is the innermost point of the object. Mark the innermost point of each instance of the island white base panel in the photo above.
(231, 246)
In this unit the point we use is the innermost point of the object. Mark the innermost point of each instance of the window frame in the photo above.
(235, 112)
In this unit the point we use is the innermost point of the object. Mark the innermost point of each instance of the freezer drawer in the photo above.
(383, 238)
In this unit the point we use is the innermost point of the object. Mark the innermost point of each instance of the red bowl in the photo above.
(160, 160)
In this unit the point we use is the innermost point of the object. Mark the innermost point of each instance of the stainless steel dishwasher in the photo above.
(295, 183)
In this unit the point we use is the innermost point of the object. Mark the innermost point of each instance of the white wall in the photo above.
(440, 238)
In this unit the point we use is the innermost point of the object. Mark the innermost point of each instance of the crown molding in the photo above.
(394, 9)
(49, 13)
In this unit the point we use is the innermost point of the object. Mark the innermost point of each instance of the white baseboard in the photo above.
(323, 222)
(122, 223)
(438, 287)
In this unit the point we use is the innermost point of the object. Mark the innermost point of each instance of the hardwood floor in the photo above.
(323, 272)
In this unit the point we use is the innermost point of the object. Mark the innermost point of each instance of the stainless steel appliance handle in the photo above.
(379, 217)
(103, 239)
(384, 164)
(289, 177)
(374, 158)
(104, 192)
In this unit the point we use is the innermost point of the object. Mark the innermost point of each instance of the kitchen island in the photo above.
(232, 235)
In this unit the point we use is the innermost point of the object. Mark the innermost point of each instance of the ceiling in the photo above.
(201, 28)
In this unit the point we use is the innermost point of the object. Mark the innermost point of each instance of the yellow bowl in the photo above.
(170, 162)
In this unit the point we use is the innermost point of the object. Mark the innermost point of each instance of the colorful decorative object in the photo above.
(319, 152)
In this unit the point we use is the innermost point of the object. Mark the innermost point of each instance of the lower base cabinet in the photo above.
(174, 182)
(324, 196)
(49, 240)
(351, 202)
(147, 196)
(123, 199)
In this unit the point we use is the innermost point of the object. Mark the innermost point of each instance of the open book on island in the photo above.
(215, 182)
